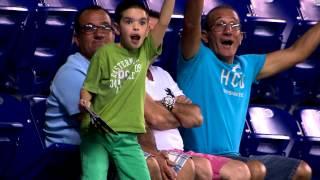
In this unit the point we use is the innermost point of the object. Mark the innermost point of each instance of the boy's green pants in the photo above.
(97, 148)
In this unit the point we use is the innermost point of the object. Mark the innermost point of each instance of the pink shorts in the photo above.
(216, 161)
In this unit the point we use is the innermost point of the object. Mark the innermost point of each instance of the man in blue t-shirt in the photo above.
(92, 30)
(213, 77)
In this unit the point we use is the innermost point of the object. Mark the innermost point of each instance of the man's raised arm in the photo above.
(191, 35)
(283, 59)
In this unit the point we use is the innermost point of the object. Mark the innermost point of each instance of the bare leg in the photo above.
(235, 170)
(203, 168)
(257, 169)
(303, 172)
(187, 171)
(154, 169)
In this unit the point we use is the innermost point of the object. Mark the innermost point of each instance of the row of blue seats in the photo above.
(23, 154)
(268, 130)
(36, 36)
(34, 44)
(276, 8)
(272, 130)
(293, 88)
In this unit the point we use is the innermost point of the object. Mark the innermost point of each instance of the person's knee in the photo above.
(243, 170)
(303, 171)
(234, 169)
(189, 165)
(203, 169)
(187, 171)
(154, 168)
(257, 169)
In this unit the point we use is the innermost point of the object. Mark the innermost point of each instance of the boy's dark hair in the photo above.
(126, 4)
(77, 18)
(207, 17)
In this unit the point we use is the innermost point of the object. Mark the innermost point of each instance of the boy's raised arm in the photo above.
(191, 35)
(165, 15)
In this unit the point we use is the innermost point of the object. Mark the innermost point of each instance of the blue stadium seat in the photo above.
(178, 8)
(59, 161)
(304, 89)
(309, 150)
(242, 6)
(265, 91)
(246, 145)
(11, 126)
(37, 108)
(33, 159)
(267, 25)
(78, 4)
(170, 48)
(316, 94)
(262, 35)
(281, 9)
(310, 15)
(9, 142)
(297, 31)
(274, 131)
(310, 10)
(109, 5)
(46, 43)
(10, 30)
(291, 88)
(309, 118)
(11, 20)
(30, 146)
(277, 9)
(19, 4)
(13, 16)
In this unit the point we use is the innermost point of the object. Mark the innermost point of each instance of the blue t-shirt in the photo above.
(222, 91)
(63, 102)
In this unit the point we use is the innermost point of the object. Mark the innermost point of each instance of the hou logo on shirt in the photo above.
(233, 80)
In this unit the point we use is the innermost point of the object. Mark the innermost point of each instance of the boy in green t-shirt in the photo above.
(115, 85)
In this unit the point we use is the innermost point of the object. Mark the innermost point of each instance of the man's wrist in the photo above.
(169, 101)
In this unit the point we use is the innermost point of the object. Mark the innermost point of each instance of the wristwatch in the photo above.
(169, 100)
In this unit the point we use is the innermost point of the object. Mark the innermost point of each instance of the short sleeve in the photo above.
(256, 63)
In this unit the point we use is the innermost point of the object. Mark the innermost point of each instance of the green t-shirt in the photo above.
(116, 77)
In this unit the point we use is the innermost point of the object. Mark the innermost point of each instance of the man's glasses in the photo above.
(91, 28)
(221, 26)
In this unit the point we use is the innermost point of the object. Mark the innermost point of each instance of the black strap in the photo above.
(99, 123)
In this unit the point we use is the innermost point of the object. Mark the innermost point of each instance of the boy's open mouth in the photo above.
(135, 38)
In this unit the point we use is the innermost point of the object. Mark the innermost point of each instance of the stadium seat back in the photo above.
(13, 116)
(274, 130)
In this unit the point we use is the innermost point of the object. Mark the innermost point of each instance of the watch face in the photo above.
(169, 100)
